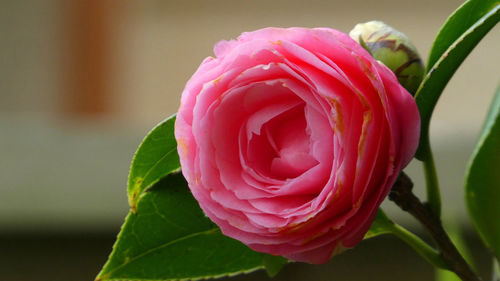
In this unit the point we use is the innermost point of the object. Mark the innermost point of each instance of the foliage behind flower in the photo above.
(290, 139)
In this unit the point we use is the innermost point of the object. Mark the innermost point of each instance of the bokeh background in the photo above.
(82, 81)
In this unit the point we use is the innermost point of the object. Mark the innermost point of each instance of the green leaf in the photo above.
(482, 182)
(446, 275)
(155, 158)
(496, 270)
(457, 24)
(171, 239)
(459, 35)
(273, 264)
(381, 225)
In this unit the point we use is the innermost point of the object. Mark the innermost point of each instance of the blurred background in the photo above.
(83, 81)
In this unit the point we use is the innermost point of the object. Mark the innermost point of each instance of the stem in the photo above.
(426, 251)
(431, 180)
(454, 233)
(403, 196)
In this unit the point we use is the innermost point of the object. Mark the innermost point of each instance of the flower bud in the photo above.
(393, 49)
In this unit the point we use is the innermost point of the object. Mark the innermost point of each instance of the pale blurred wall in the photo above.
(161, 43)
(157, 45)
(56, 170)
(30, 41)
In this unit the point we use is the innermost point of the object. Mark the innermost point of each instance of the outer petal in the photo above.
(290, 139)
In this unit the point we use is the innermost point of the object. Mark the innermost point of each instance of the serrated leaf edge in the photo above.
(205, 232)
(230, 274)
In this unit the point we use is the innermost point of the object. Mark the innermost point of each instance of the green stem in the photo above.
(432, 184)
(426, 251)
(401, 193)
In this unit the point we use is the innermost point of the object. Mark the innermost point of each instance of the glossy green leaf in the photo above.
(171, 239)
(458, 36)
(381, 225)
(457, 24)
(482, 183)
(155, 158)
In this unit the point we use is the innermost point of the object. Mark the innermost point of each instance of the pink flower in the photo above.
(290, 139)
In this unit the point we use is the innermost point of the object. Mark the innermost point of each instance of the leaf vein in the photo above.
(165, 245)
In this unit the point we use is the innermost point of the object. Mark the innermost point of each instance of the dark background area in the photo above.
(79, 256)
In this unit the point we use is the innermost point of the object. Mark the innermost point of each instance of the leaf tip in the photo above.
(273, 264)
(133, 195)
(102, 278)
(132, 202)
(134, 209)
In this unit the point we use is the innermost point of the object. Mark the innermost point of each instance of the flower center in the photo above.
(282, 150)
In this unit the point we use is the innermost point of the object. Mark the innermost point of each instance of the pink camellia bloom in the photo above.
(290, 139)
